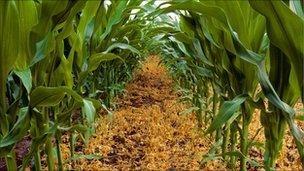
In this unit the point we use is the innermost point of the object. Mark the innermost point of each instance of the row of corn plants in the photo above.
(57, 58)
(221, 53)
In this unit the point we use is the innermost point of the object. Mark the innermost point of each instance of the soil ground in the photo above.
(147, 131)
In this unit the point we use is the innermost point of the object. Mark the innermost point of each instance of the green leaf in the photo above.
(78, 127)
(89, 111)
(114, 19)
(26, 78)
(211, 153)
(19, 130)
(28, 14)
(51, 96)
(72, 10)
(204, 72)
(88, 13)
(283, 28)
(298, 7)
(46, 22)
(122, 46)
(254, 58)
(227, 112)
(9, 44)
(44, 47)
(96, 103)
(36, 143)
(46, 96)
(96, 59)
(94, 62)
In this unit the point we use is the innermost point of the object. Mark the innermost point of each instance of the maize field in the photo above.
(151, 85)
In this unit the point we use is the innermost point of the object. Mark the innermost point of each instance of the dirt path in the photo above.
(147, 131)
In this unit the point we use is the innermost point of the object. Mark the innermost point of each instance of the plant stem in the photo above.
(60, 165)
(225, 140)
(274, 133)
(244, 142)
(37, 161)
(48, 144)
(233, 140)
(58, 138)
(244, 137)
(4, 124)
(72, 145)
(10, 160)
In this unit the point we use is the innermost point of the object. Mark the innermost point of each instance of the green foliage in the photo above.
(55, 57)
(227, 113)
(60, 58)
(234, 42)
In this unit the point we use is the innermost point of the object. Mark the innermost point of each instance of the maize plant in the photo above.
(231, 47)
(61, 61)
(56, 58)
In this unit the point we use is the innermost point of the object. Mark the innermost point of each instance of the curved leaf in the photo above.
(51, 96)
(122, 46)
(19, 130)
(96, 59)
(227, 112)
(283, 28)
